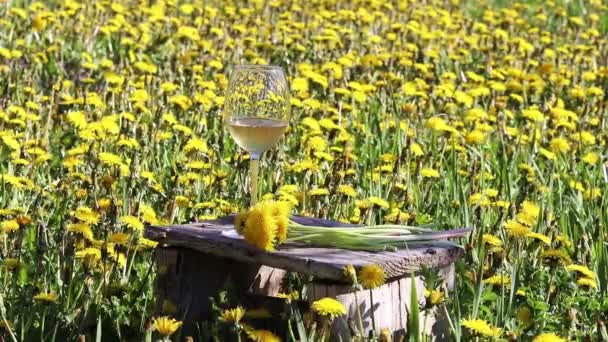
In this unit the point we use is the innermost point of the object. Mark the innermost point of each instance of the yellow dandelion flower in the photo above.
(89, 255)
(563, 241)
(559, 145)
(434, 297)
(592, 193)
(195, 144)
(71, 162)
(475, 137)
(530, 208)
(417, 150)
(316, 143)
(548, 337)
(378, 202)
(146, 243)
(46, 297)
(328, 307)
(591, 158)
(9, 226)
(293, 295)
(281, 211)
(533, 114)
(110, 159)
(347, 190)
(77, 119)
(11, 263)
(188, 32)
(299, 84)
(556, 255)
(385, 335)
(147, 214)
(480, 200)
(318, 192)
(516, 229)
(82, 229)
(481, 327)
(11, 142)
(262, 336)
(491, 240)
(182, 201)
(547, 154)
(165, 325)
(87, 215)
(132, 222)
(239, 221)
(104, 203)
(261, 228)
(437, 124)
(427, 172)
(525, 219)
(581, 269)
(363, 204)
(540, 237)
(350, 273)
(586, 282)
(233, 315)
(121, 239)
(371, 276)
(498, 279)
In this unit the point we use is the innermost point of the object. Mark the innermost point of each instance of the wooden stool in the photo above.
(195, 261)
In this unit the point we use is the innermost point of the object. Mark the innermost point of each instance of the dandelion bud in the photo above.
(104, 204)
(23, 220)
(81, 193)
(107, 181)
(385, 335)
(350, 273)
(409, 108)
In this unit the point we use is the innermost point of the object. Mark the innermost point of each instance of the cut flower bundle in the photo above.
(267, 225)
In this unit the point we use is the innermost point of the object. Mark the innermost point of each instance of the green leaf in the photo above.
(413, 319)
(22, 276)
(29, 240)
(98, 334)
(299, 324)
(539, 305)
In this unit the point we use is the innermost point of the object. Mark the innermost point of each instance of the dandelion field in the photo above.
(479, 114)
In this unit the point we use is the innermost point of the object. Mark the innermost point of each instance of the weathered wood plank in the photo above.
(325, 263)
(268, 281)
(389, 304)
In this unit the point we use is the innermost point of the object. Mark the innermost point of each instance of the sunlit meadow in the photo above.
(479, 114)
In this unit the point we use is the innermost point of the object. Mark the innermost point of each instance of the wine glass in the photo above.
(256, 112)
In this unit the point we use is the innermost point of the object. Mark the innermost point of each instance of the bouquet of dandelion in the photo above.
(267, 225)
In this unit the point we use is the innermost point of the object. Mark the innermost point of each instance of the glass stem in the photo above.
(254, 166)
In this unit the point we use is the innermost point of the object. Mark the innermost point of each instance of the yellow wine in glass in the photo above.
(256, 111)
(256, 135)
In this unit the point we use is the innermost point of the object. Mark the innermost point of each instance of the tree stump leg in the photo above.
(390, 305)
(187, 280)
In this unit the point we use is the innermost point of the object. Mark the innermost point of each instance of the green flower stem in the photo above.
(365, 228)
(371, 300)
(368, 238)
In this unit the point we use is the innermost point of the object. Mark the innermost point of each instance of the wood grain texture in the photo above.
(324, 263)
(389, 305)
